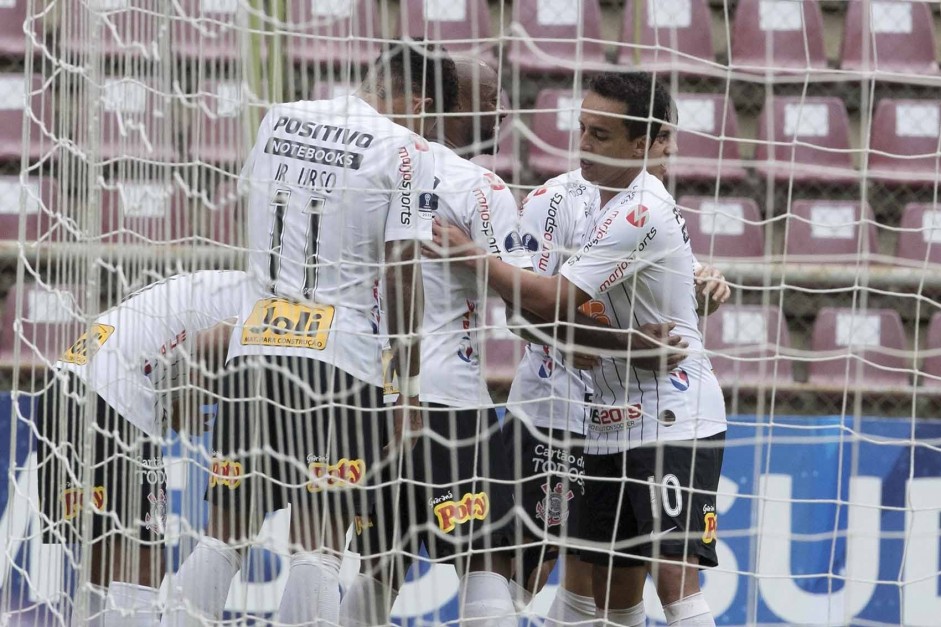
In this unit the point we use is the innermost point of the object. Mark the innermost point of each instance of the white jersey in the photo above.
(331, 182)
(478, 202)
(135, 361)
(546, 391)
(637, 262)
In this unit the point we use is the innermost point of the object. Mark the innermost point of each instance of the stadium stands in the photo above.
(50, 323)
(327, 90)
(830, 231)
(904, 142)
(900, 37)
(507, 160)
(920, 238)
(707, 135)
(778, 35)
(931, 365)
(129, 29)
(226, 226)
(13, 14)
(139, 211)
(725, 228)
(135, 123)
(546, 25)
(334, 33)
(863, 348)
(460, 24)
(39, 210)
(555, 125)
(748, 345)
(15, 92)
(670, 33)
(805, 140)
(217, 131)
(208, 30)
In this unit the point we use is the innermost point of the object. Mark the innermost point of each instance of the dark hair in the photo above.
(646, 101)
(426, 69)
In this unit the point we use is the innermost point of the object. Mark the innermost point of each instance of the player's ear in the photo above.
(420, 105)
(639, 146)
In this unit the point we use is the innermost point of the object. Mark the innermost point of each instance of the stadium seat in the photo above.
(901, 37)
(13, 14)
(780, 34)
(671, 32)
(507, 159)
(337, 32)
(13, 97)
(226, 213)
(135, 123)
(805, 139)
(932, 363)
(723, 228)
(462, 26)
(218, 134)
(209, 30)
(122, 29)
(52, 319)
(556, 36)
(843, 336)
(143, 211)
(40, 214)
(830, 231)
(555, 124)
(920, 235)
(904, 142)
(744, 341)
(707, 132)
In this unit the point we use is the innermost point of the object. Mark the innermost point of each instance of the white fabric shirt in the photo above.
(637, 261)
(546, 391)
(331, 181)
(139, 350)
(478, 202)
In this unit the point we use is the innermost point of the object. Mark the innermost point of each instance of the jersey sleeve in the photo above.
(412, 200)
(541, 226)
(616, 250)
(495, 225)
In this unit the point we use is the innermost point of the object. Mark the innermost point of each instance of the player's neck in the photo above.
(615, 187)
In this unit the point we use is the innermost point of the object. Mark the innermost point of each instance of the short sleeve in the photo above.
(412, 199)
(496, 221)
(622, 244)
(542, 223)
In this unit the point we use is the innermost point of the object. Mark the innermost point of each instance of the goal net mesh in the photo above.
(807, 169)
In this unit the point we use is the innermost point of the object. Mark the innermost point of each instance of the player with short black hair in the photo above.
(336, 204)
(655, 440)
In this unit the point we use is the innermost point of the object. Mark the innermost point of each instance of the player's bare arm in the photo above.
(405, 298)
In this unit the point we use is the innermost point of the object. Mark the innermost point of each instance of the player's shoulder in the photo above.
(646, 199)
(560, 191)
(457, 173)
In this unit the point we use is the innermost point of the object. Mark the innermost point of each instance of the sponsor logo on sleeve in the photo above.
(362, 523)
(420, 144)
(554, 507)
(710, 525)
(680, 379)
(595, 309)
(73, 499)
(513, 242)
(450, 514)
(345, 473)
(613, 419)
(225, 473)
(83, 348)
(496, 183)
(405, 187)
(530, 242)
(427, 204)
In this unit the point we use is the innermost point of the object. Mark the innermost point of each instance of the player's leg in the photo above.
(332, 448)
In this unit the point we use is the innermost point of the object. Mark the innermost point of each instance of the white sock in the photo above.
(130, 605)
(569, 608)
(693, 611)
(484, 600)
(312, 594)
(520, 595)
(634, 616)
(367, 602)
(199, 589)
(94, 607)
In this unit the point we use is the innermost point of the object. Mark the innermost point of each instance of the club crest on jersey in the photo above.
(680, 379)
(466, 350)
(548, 364)
(450, 514)
(554, 507)
(530, 242)
(513, 242)
(156, 518)
(638, 216)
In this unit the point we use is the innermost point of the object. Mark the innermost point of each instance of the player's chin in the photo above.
(660, 171)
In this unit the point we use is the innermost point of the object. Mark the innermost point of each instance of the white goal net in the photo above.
(806, 168)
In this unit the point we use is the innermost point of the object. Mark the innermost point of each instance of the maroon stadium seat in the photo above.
(807, 139)
(907, 131)
(131, 29)
(41, 217)
(143, 211)
(507, 160)
(556, 126)
(334, 32)
(746, 340)
(723, 228)
(563, 37)
(901, 37)
(209, 30)
(920, 237)
(456, 24)
(13, 97)
(672, 28)
(843, 332)
(932, 363)
(217, 130)
(52, 319)
(822, 231)
(781, 34)
(226, 217)
(13, 14)
(704, 119)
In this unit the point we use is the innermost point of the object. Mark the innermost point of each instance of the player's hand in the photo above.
(450, 242)
(712, 290)
(407, 424)
(584, 361)
(662, 351)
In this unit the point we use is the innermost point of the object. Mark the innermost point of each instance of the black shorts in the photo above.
(127, 479)
(294, 430)
(548, 479)
(666, 506)
(452, 493)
